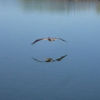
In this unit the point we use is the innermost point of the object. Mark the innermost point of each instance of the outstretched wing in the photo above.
(37, 60)
(39, 40)
(59, 59)
(43, 61)
(61, 39)
(36, 41)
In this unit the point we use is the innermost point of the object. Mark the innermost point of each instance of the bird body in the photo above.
(48, 60)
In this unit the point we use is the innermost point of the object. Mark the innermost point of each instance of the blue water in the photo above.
(75, 77)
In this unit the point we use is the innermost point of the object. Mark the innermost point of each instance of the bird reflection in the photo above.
(50, 59)
(49, 39)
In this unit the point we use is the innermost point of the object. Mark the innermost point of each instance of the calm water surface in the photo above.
(75, 77)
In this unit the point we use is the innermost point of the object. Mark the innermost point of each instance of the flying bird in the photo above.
(50, 59)
(49, 39)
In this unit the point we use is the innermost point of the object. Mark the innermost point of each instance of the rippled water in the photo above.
(73, 77)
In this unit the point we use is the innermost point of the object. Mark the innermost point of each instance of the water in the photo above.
(75, 77)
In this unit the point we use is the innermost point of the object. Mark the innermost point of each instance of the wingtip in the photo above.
(65, 55)
(32, 43)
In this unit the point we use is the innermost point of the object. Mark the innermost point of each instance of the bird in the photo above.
(50, 59)
(49, 39)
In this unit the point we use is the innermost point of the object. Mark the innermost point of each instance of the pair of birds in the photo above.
(49, 39)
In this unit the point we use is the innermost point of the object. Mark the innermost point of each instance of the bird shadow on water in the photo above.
(49, 59)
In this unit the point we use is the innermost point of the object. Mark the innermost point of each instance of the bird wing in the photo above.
(37, 60)
(61, 39)
(59, 59)
(42, 61)
(39, 40)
